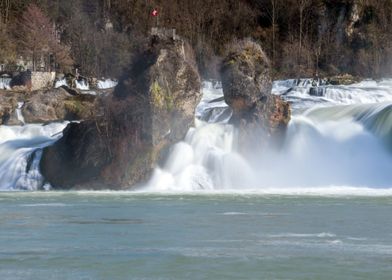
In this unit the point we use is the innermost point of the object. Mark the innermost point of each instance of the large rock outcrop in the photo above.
(45, 106)
(152, 107)
(261, 117)
(58, 105)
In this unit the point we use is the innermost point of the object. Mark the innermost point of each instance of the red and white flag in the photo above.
(154, 13)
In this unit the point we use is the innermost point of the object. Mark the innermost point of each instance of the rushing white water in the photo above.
(19, 114)
(339, 143)
(212, 107)
(329, 146)
(304, 95)
(206, 160)
(60, 83)
(5, 83)
(20, 154)
(105, 84)
(82, 85)
(321, 152)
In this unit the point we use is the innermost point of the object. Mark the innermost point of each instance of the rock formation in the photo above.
(58, 105)
(261, 117)
(48, 106)
(152, 107)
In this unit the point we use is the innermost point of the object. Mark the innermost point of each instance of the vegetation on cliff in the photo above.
(302, 37)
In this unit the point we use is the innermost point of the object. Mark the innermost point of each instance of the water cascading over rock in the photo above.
(152, 107)
(261, 117)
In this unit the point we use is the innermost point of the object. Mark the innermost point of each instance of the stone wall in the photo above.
(42, 80)
(164, 33)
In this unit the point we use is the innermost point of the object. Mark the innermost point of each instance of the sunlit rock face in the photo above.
(152, 107)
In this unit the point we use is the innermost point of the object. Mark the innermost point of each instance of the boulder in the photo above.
(152, 108)
(58, 105)
(245, 76)
(261, 117)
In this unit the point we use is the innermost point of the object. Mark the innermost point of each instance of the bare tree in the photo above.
(273, 10)
(37, 39)
(5, 6)
(302, 5)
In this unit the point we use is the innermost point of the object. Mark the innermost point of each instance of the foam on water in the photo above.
(303, 235)
(332, 191)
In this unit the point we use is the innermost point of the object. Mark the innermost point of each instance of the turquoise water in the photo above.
(144, 236)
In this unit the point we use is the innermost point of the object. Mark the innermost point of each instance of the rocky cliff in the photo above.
(151, 108)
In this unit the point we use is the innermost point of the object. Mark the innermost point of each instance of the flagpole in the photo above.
(155, 14)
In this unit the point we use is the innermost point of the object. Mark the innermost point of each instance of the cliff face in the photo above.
(345, 18)
(353, 37)
(152, 107)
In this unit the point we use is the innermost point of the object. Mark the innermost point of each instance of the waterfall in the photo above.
(340, 139)
(20, 154)
(105, 84)
(205, 160)
(5, 83)
(324, 152)
(82, 85)
(306, 93)
(60, 83)
(328, 144)
(18, 112)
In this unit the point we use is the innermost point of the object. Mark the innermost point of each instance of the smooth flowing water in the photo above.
(144, 236)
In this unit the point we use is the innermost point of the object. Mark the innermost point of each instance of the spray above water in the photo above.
(206, 160)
